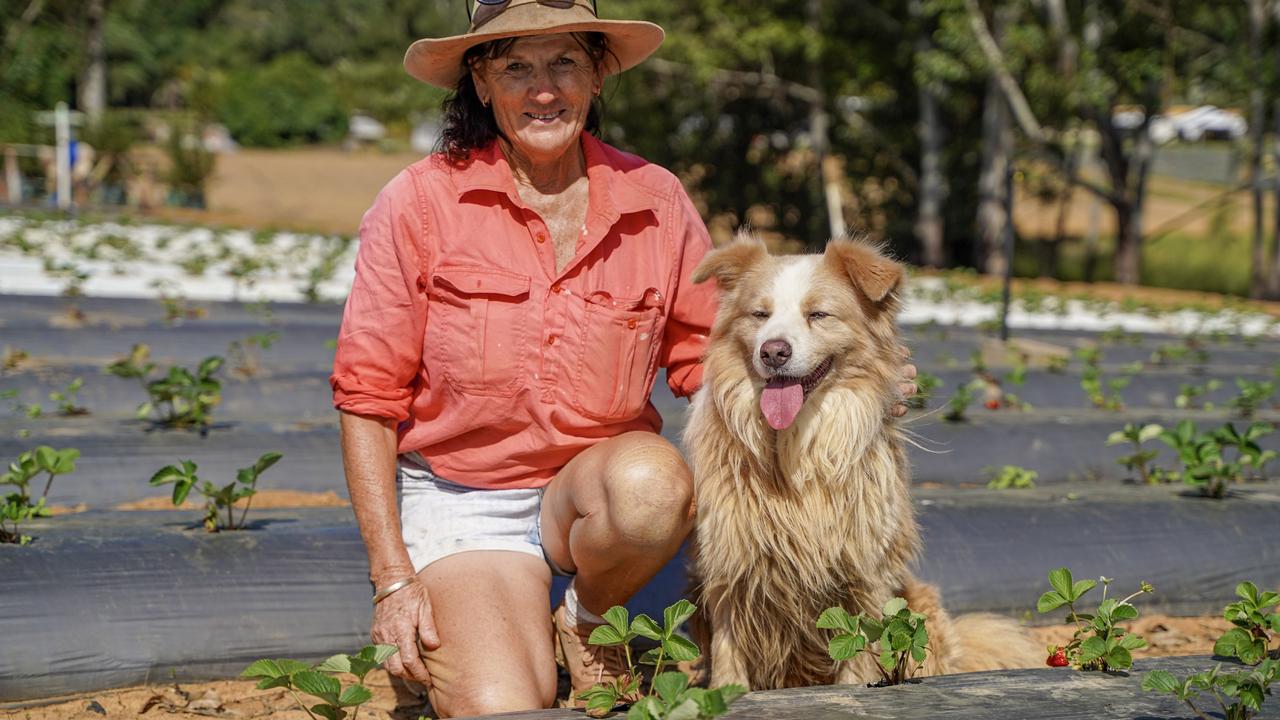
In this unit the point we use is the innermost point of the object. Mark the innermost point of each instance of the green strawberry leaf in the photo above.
(338, 663)
(1080, 587)
(606, 635)
(1050, 601)
(647, 627)
(355, 695)
(329, 712)
(318, 684)
(680, 649)
(837, 618)
(844, 646)
(1119, 659)
(669, 685)
(1060, 580)
(1160, 681)
(618, 619)
(1092, 649)
(893, 607)
(676, 614)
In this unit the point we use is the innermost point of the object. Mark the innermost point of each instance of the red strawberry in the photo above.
(993, 404)
(1058, 658)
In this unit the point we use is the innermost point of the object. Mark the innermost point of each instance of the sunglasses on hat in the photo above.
(487, 10)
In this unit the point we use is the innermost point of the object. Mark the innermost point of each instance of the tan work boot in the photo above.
(588, 665)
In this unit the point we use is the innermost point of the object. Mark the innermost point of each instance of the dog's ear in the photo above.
(871, 272)
(727, 264)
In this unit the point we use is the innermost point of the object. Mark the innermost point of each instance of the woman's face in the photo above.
(540, 92)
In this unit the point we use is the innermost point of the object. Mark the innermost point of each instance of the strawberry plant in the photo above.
(900, 634)
(246, 354)
(1189, 395)
(672, 699)
(1057, 364)
(926, 384)
(1249, 453)
(1250, 639)
(179, 397)
(1254, 394)
(18, 506)
(1011, 477)
(217, 499)
(1248, 688)
(669, 696)
(1098, 642)
(1139, 458)
(336, 702)
(1204, 463)
(960, 402)
(66, 399)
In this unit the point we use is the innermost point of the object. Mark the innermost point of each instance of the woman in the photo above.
(514, 297)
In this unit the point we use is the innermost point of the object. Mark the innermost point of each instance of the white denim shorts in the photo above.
(439, 518)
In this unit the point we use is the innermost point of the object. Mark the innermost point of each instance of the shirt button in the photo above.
(540, 237)
(556, 288)
(551, 339)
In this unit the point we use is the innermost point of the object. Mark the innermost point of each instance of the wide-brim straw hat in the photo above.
(438, 61)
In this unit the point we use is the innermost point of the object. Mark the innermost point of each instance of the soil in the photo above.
(263, 500)
(240, 698)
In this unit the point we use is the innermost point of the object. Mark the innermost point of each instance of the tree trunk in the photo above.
(997, 149)
(1129, 245)
(997, 146)
(93, 81)
(929, 223)
(1257, 135)
(1273, 282)
(828, 185)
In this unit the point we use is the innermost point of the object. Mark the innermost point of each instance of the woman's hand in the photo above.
(404, 619)
(906, 388)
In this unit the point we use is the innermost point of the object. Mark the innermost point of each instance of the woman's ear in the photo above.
(482, 85)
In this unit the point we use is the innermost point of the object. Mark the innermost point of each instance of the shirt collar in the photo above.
(611, 192)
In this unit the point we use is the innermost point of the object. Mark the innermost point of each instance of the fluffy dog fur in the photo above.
(793, 521)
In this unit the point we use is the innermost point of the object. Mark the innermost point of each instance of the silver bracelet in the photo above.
(383, 593)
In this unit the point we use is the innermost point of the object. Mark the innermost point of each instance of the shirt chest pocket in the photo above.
(477, 329)
(616, 358)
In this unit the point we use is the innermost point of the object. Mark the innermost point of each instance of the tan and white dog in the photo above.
(800, 474)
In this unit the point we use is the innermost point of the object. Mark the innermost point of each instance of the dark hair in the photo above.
(469, 125)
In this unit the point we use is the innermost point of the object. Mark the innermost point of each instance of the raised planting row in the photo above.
(1072, 453)
(1002, 695)
(140, 595)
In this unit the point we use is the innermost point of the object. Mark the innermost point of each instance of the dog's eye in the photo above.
(818, 315)
(762, 314)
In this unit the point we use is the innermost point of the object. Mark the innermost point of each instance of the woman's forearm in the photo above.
(369, 459)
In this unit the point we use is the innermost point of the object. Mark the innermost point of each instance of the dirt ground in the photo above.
(263, 499)
(240, 699)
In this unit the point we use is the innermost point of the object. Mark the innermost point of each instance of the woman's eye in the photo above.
(818, 315)
(762, 314)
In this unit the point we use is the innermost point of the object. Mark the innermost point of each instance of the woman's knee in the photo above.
(649, 488)
(491, 698)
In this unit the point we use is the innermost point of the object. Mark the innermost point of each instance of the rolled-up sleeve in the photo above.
(379, 351)
(694, 306)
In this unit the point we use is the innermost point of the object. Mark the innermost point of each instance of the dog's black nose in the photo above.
(775, 353)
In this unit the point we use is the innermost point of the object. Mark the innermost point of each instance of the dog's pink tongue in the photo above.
(780, 402)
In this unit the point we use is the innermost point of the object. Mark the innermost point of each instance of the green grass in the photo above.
(1219, 262)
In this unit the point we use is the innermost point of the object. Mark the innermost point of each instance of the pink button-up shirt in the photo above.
(499, 368)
